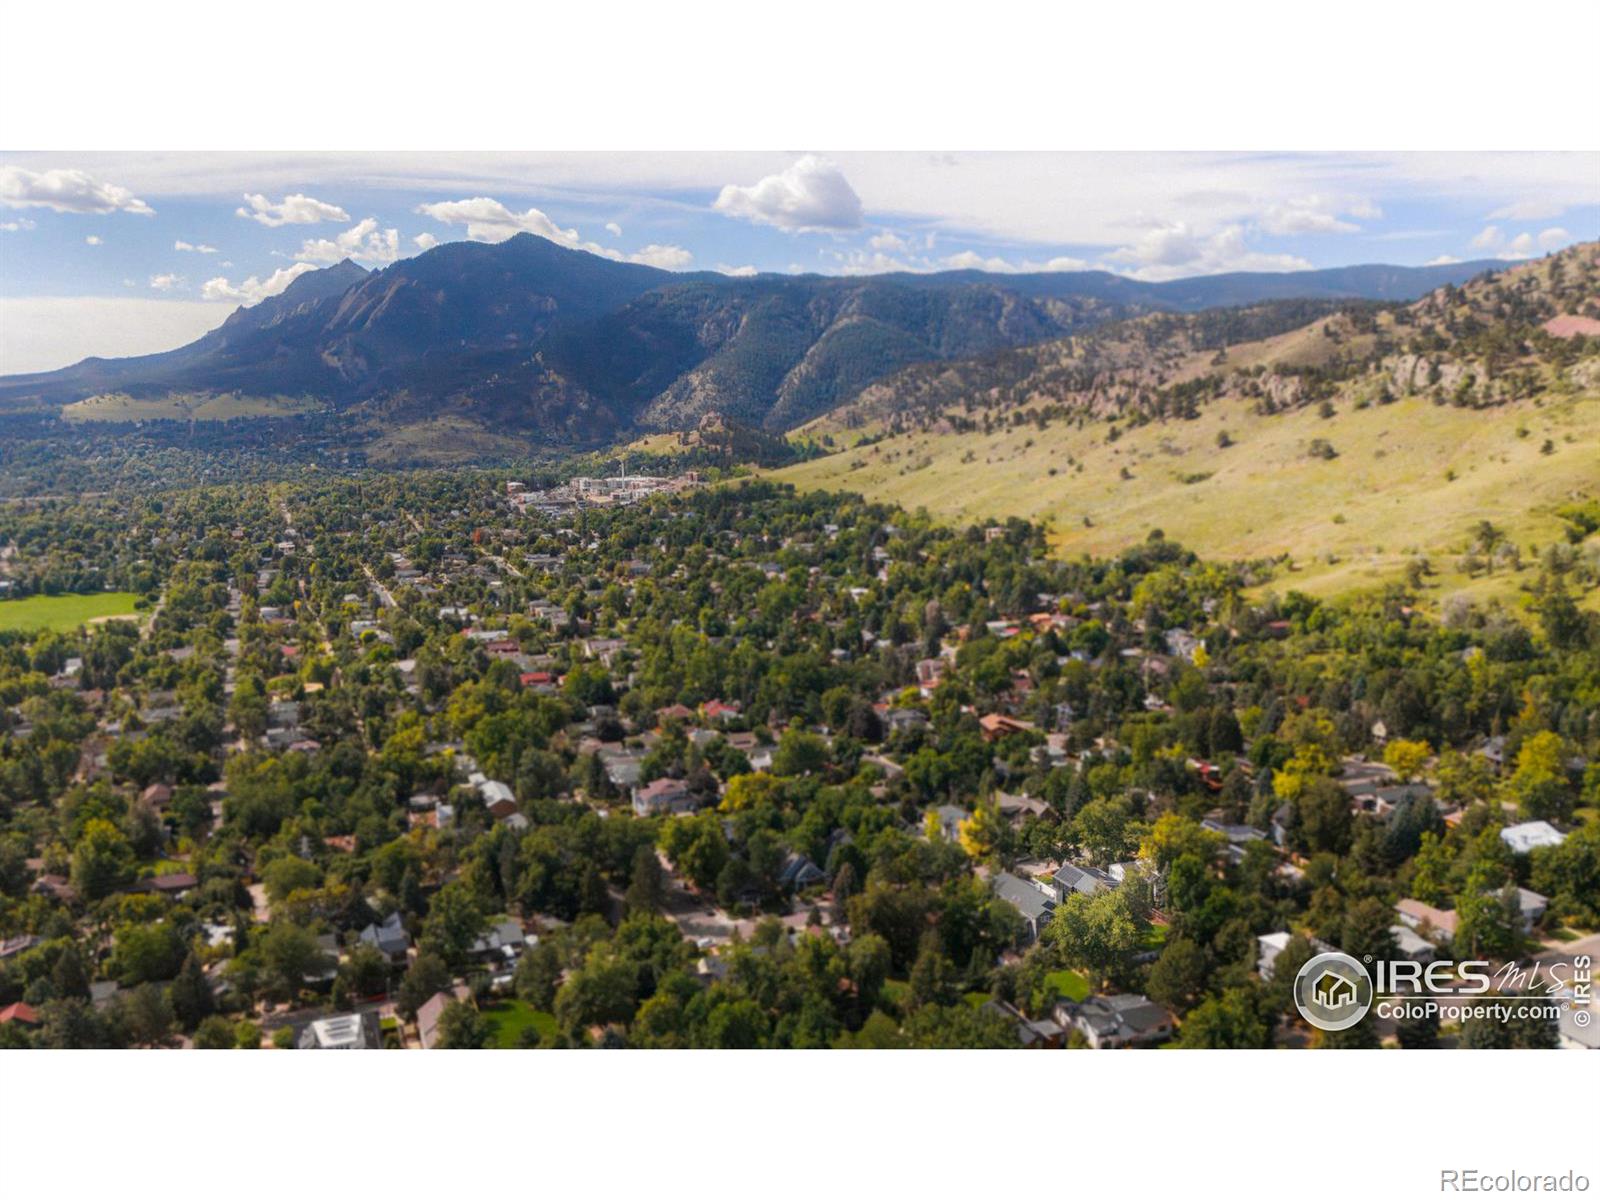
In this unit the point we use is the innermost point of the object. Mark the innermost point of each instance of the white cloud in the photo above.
(1528, 210)
(91, 240)
(668, 258)
(810, 195)
(1520, 246)
(165, 283)
(1524, 245)
(253, 290)
(425, 241)
(742, 272)
(878, 262)
(889, 243)
(971, 260)
(294, 209)
(1553, 238)
(1175, 250)
(200, 248)
(613, 229)
(1444, 260)
(1317, 214)
(17, 226)
(363, 241)
(66, 191)
(488, 220)
(1046, 199)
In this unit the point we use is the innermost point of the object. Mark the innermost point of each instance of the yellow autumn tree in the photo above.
(747, 791)
(980, 833)
(1406, 757)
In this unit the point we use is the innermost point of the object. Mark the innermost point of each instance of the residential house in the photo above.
(170, 885)
(1530, 835)
(661, 796)
(1532, 906)
(1044, 1034)
(389, 937)
(1015, 808)
(1432, 923)
(1412, 944)
(346, 1031)
(997, 725)
(503, 942)
(497, 798)
(12, 946)
(720, 712)
(433, 1008)
(1035, 905)
(948, 818)
(20, 1013)
(1238, 836)
(1270, 945)
(798, 873)
(1089, 881)
(1182, 644)
(1112, 1022)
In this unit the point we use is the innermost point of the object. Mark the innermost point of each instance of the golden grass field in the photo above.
(182, 406)
(1410, 478)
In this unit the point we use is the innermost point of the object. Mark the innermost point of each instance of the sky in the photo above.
(113, 254)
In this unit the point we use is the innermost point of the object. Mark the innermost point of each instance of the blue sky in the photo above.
(126, 253)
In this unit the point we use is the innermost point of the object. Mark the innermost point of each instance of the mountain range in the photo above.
(1453, 441)
(556, 346)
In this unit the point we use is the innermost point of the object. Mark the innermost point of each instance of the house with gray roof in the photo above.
(1089, 881)
(1034, 903)
(389, 937)
(1112, 1022)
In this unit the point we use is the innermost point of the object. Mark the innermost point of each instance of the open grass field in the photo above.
(67, 612)
(198, 406)
(1409, 478)
(1068, 984)
(508, 1018)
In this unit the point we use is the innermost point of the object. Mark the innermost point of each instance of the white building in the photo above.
(1530, 835)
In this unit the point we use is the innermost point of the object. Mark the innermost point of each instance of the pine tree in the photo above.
(646, 892)
(192, 1001)
(70, 978)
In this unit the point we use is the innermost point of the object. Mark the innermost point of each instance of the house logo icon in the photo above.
(1333, 991)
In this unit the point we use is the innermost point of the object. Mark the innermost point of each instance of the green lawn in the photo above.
(65, 612)
(508, 1018)
(1069, 984)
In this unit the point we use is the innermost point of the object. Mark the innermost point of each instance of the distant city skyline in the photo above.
(117, 254)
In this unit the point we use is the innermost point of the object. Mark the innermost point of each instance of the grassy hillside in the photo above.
(183, 406)
(442, 441)
(1347, 447)
(1410, 478)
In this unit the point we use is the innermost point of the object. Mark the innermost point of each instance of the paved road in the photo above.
(385, 597)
